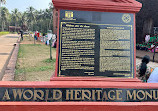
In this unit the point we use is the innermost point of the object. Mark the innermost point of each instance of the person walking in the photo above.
(21, 32)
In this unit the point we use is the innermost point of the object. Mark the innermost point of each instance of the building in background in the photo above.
(14, 29)
(146, 19)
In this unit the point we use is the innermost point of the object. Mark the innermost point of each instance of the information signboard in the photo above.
(96, 44)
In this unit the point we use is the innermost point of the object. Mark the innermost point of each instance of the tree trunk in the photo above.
(8, 26)
(2, 25)
(147, 28)
(47, 26)
(41, 27)
(50, 22)
(32, 25)
(15, 27)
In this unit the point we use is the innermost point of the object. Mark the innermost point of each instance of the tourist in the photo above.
(43, 37)
(35, 35)
(49, 37)
(21, 32)
(147, 38)
(143, 70)
(154, 76)
(46, 40)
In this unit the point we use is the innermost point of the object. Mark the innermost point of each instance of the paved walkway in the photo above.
(6, 47)
(150, 64)
(141, 54)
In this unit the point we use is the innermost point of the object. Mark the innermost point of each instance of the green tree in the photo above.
(51, 6)
(1, 2)
(15, 17)
(31, 17)
(5, 17)
(47, 17)
(24, 19)
(40, 20)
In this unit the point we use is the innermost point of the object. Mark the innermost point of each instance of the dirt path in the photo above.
(6, 46)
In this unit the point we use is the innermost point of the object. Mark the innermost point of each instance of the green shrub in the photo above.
(3, 33)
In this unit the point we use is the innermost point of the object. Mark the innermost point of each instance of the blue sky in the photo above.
(22, 5)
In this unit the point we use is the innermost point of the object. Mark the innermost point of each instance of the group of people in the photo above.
(48, 38)
(144, 73)
(142, 47)
(150, 44)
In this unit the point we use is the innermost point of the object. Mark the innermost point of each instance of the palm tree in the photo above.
(31, 16)
(47, 16)
(5, 16)
(15, 17)
(24, 19)
(40, 19)
(1, 2)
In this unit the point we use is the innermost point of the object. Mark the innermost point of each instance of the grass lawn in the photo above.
(33, 62)
(3, 33)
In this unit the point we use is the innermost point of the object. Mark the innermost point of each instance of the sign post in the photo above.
(98, 46)
(95, 67)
